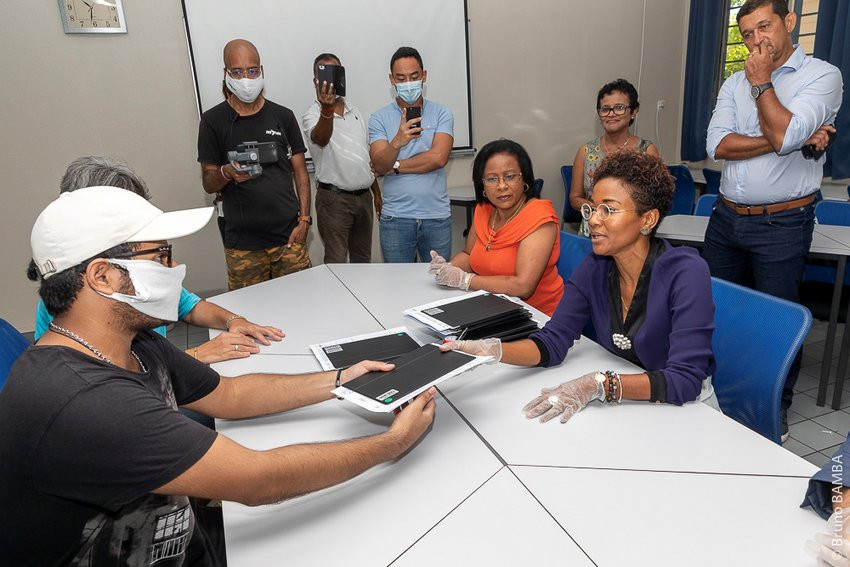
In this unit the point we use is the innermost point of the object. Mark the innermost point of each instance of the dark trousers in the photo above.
(345, 225)
(772, 246)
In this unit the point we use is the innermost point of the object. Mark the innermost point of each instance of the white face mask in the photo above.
(157, 288)
(247, 90)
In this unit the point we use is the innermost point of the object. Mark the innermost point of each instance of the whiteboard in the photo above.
(364, 34)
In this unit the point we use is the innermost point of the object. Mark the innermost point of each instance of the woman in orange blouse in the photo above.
(515, 242)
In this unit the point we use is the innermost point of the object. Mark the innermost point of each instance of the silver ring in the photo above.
(235, 347)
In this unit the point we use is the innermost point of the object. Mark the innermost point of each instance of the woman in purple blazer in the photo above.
(648, 302)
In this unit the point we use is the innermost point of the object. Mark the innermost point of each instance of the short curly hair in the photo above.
(622, 86)
(646, 178)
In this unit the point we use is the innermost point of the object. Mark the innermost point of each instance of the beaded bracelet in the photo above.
(232, 319)
(328, 115)
(615, 387)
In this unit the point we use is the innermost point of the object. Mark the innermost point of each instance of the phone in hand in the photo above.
(413, 113)
(332, 74)
(811, 152)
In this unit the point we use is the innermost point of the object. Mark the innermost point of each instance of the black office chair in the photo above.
(570, 215)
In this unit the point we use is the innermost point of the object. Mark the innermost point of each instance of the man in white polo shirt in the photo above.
(338, 138)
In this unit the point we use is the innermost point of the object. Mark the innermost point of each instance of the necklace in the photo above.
(75, 337)
(605, 145)
(492, 231)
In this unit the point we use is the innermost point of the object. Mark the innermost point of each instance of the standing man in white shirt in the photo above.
(338, 138)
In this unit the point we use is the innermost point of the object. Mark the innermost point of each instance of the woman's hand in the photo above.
(452, 276)
(437, 262)
(566, 399)
(481, 347)
(833, 548)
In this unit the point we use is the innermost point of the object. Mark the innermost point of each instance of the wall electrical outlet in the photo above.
(660, 104)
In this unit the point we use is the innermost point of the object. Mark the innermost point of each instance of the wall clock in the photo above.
(93, 16)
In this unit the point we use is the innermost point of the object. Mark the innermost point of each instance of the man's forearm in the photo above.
(773, 119)
(322, 131)
(425, 162)
(212, 180)
(302, 186)
(738, 147)
(384, 158)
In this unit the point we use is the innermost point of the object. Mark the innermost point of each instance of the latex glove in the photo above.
(833, 547)
(481, 347)
(437, 262)
(452, 276)
(566, 399)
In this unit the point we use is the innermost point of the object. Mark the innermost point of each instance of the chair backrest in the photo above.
(12, 344)
(705, 205)
(833, 212)
(574, 249)
(712, 181)
(756, 337)
(569, 214)
(683, 200)
(538, 187)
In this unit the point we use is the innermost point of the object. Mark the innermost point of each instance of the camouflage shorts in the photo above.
(249, 267)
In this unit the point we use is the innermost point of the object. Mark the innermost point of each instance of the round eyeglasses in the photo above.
(603, 211)
(617, 109)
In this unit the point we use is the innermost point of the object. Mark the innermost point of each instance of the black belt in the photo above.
(335, 189)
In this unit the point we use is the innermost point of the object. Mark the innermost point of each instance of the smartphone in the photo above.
(332, 74)
(415, 112)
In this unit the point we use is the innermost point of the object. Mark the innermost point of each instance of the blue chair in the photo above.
(705, 205)
(538, 187)
(569, 214)
(712, 181)
(12, 344)
(574, 249)
(683, 200)
(756, 337)
(828, 212)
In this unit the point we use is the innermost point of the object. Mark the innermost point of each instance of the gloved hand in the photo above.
(566, 399)
(481, 347)
(437, 262)
(833, 547)
(452, 276)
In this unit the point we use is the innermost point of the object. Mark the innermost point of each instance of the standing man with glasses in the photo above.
(411, 153)
(338, 137)
(782, 101)
(266, 220)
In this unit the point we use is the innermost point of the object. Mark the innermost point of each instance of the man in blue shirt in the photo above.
(781, 101)
(412, 154)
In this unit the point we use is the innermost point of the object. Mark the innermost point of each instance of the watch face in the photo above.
(755, 91)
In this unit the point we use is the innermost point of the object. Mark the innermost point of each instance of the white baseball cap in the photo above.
(83, 223)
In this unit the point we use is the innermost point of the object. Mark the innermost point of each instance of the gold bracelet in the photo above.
(230, 320)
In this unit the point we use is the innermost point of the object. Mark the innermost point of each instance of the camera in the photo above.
(250, 155)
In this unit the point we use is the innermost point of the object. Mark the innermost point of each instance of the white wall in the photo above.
(536, 68)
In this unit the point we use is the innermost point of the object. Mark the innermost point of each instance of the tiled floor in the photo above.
(817, 431)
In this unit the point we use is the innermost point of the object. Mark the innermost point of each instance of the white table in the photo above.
(308, 306)
(829, 242)
(486, 486)
(663, 519)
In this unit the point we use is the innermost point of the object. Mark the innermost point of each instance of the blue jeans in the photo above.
(402, 238)
(773, 246)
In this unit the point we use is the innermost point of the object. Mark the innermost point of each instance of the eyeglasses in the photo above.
(163, 256)
(238, 73)
(603, 211)
(617, 109)
(508, 178)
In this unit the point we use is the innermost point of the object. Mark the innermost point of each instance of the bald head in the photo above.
(241, 50)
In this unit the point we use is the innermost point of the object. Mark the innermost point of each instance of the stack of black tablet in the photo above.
(484, 315)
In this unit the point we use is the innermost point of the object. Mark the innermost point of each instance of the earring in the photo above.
(645, 231)
(525, 185)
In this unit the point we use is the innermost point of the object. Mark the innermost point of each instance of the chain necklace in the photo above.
(605, 144)
(75, 337)
(492, 230)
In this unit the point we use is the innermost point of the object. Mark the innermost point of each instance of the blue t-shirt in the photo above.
(414, 195)
(188, 300)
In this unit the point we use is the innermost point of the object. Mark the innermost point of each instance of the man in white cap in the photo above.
(95, 463)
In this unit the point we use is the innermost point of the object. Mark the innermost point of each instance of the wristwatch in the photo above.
(306, 218)
(756, 90)
(396, 165)
(600, 386)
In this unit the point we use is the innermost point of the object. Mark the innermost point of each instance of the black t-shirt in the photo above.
(261, 212)
(82, 444)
